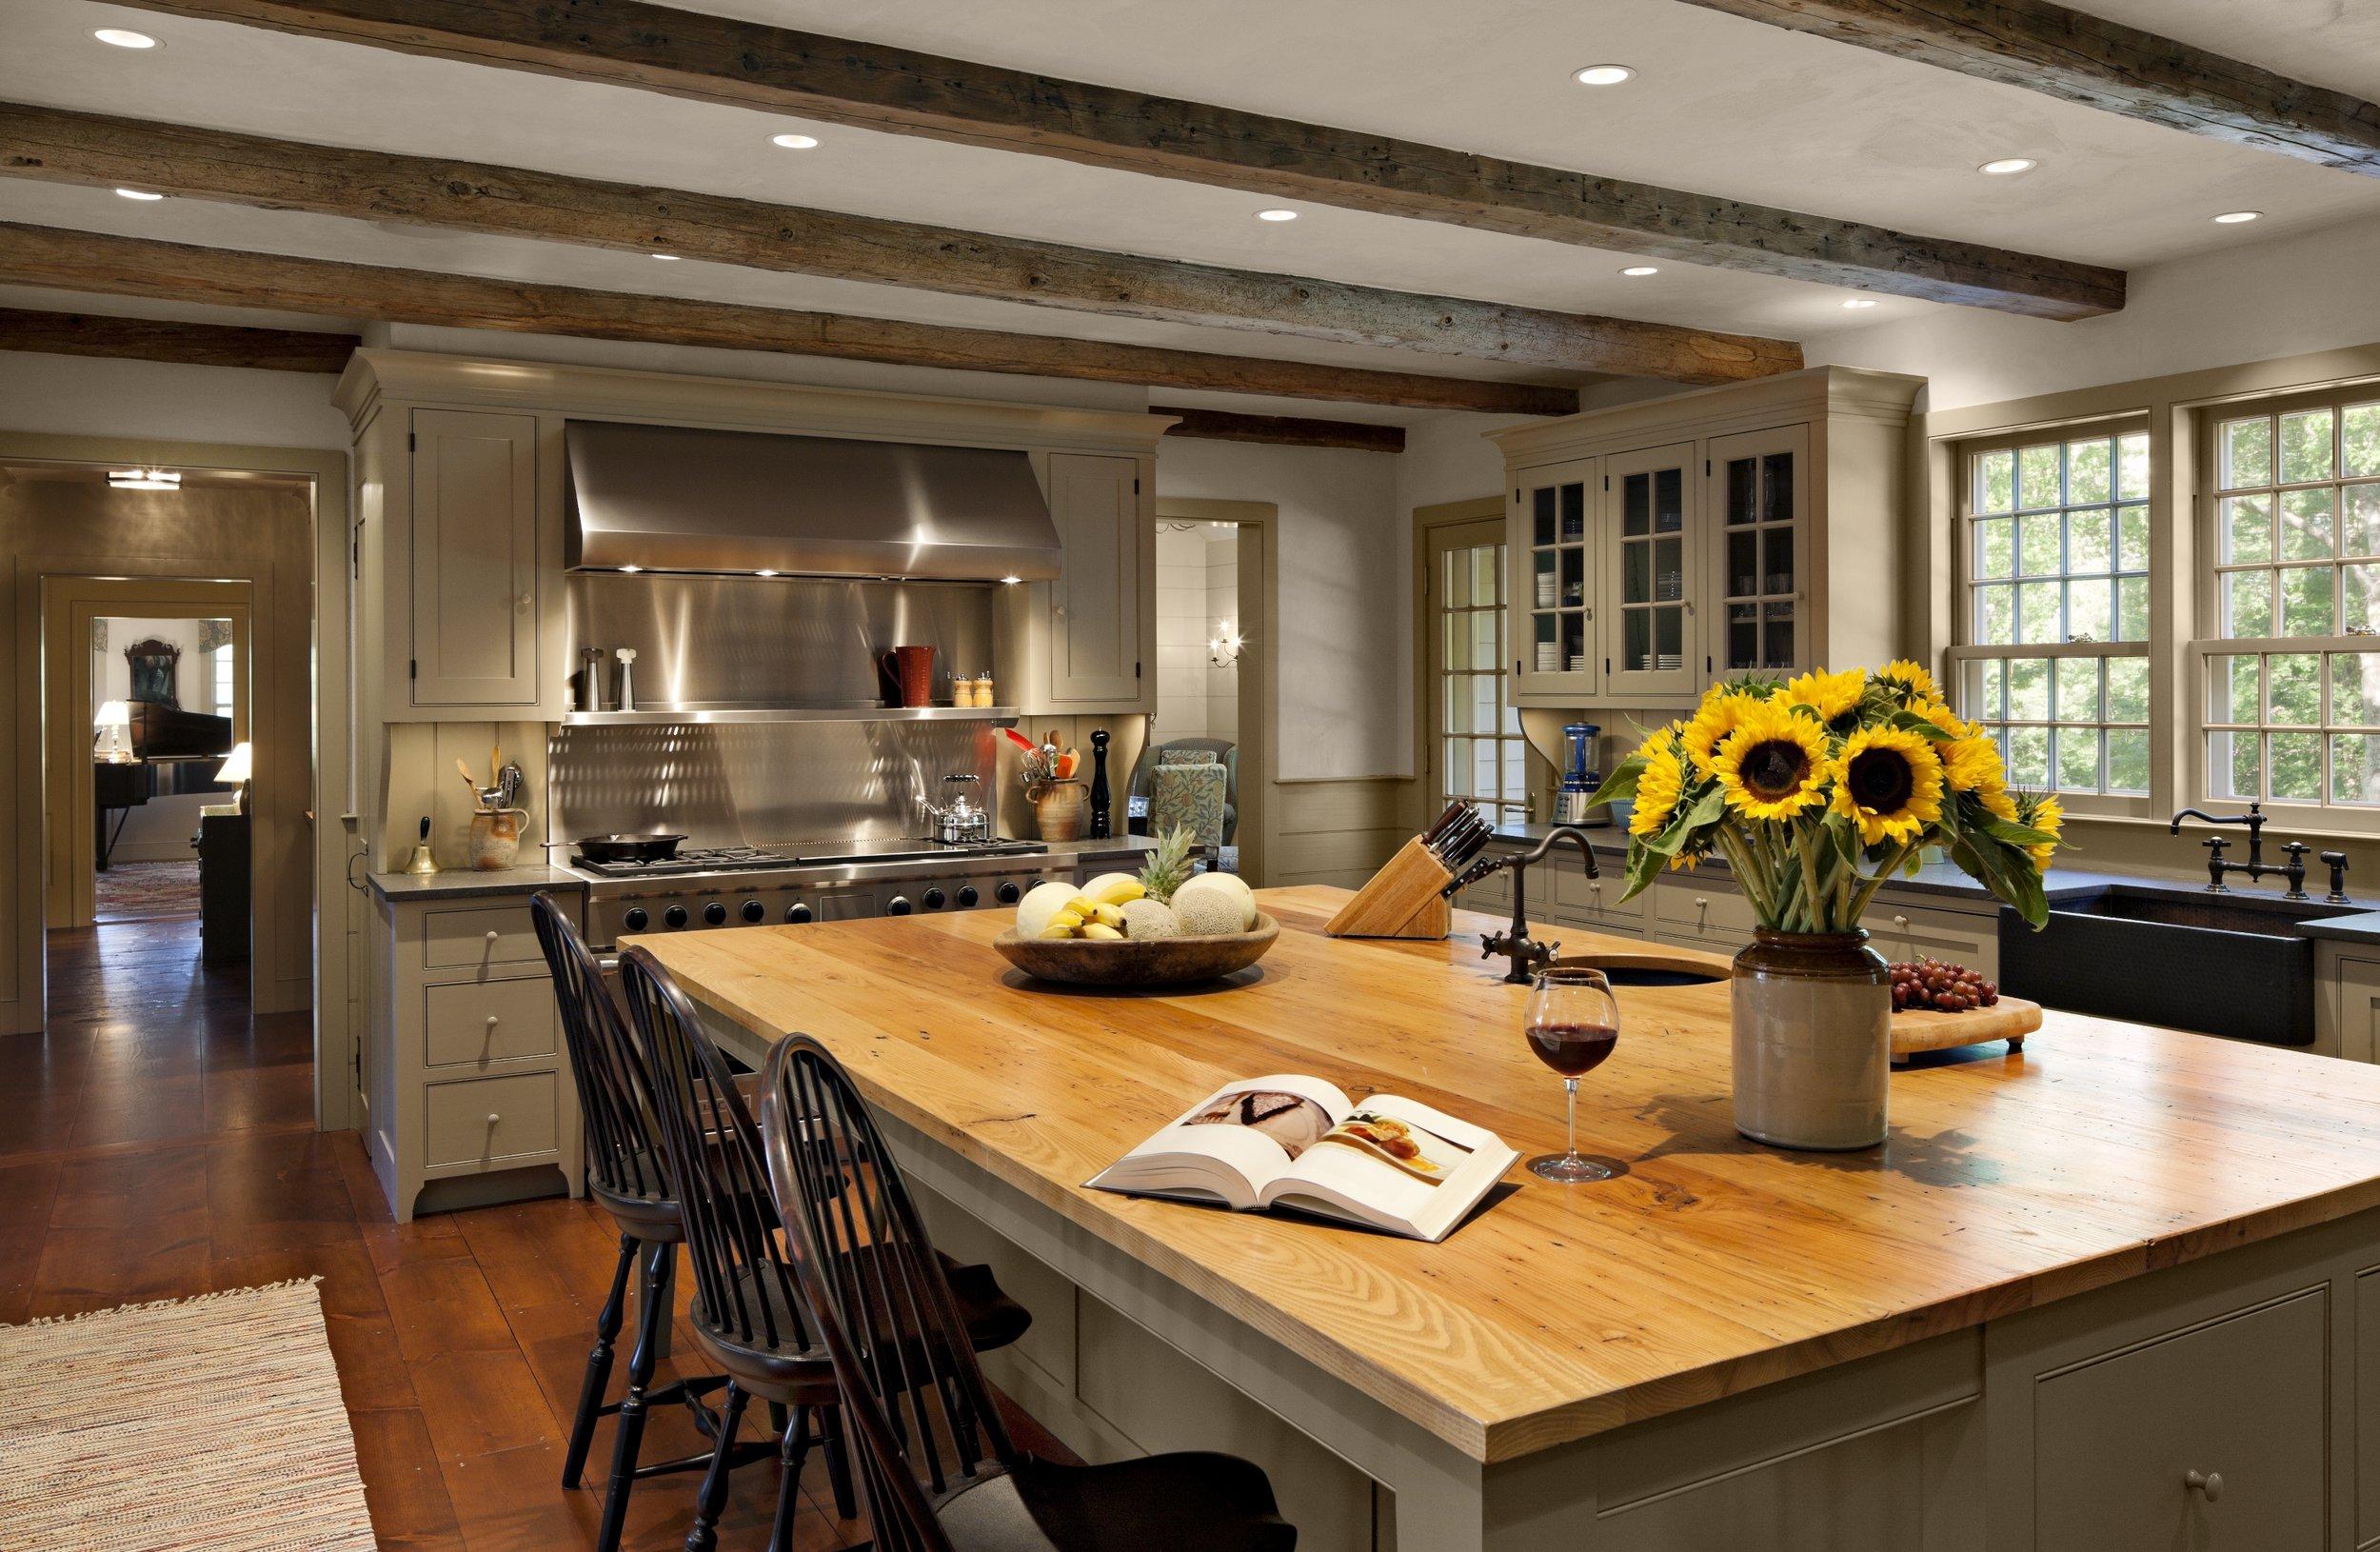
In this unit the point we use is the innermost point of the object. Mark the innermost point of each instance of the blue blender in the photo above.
(1579, 781)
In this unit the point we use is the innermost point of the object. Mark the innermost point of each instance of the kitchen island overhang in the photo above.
(2110, 1176)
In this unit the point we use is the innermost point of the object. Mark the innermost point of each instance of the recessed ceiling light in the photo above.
(1601, 76)
(137, 193)
(123, 37)
(1011, 580)
(1642, 269)
(795, 142)
(1277, 215)
(632, 569)
(2008, 166)
(764, 572)
(669, 258)
(2233, 218)
(1857, 302)
(145, 479)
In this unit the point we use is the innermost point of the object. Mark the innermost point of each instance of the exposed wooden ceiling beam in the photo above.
(92, 149)
(82, 261)
(1284, 431)
(167, 339)
(718, 59)
(2053, 49)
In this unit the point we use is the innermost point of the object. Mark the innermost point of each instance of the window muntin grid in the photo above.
(1486, 759)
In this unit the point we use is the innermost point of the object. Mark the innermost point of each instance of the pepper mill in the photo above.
(1101, 828)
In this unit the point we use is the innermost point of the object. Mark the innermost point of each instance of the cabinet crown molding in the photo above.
(1820, 392)
(418, 377)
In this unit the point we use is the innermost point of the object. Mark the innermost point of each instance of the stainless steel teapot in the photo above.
(963, 817)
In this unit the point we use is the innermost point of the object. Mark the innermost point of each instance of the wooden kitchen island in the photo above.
(2120, 1291)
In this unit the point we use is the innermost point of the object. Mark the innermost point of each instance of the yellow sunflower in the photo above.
(1829, 695)
(1774, 765)
(1910, 678)
(1719, 716)
(1971, 762)
(1888, 781)
(1664, 778)
(2044, 813)
(1993, 795)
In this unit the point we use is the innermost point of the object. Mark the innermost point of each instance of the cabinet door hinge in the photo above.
(1136, 485)
(413, 667)
(1607, 482)
(1706, 469)
(1135, 668)
(1607, 666)
(412, 443)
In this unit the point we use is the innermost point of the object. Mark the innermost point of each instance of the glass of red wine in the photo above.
(1573, 1024)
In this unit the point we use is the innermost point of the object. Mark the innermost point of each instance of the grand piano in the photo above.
(174, 751)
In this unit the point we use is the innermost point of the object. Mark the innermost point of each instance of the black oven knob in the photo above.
(899, 906)
(967, 896)
(636, 919)
(715, 914)
(1008, 893)
(674, 916)
(754, 911)
(796, 913)
(936, 900)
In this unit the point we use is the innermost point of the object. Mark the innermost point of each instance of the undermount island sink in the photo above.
(1652, 966)
(2230, 964)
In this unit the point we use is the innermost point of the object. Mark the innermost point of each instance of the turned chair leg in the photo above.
(598, 1366)
(838, 1461)
(654, 1284)
(703, 1537)
(793, 1448)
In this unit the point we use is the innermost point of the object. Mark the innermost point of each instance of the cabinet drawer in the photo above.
(2243, 1397)
(1900, 932)
(487, 935)
(490, 1121)
(482, 1021)
(1594, 903)
(1703, 911)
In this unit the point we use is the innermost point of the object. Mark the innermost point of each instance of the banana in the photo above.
(1102, 932)
(1058, 929)
(1119, 891)
(1107, 916)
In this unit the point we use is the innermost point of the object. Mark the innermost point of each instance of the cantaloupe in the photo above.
(1208, 912)
(1227, 888)
(1148, 919)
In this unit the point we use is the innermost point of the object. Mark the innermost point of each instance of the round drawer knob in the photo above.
(2208, 1484)
(1901, 921)
(493, 1118)
(1702, 903)
(491, 936)
(491, 1020)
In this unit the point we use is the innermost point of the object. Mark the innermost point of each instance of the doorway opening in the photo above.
(1204, 762)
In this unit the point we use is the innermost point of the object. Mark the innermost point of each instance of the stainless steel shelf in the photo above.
(999, 716)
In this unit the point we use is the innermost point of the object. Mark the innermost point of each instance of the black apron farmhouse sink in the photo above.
(2229, 965)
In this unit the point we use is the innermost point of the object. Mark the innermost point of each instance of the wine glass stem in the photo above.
(1571, 1148)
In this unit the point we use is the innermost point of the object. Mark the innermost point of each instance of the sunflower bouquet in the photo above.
(1818, 790)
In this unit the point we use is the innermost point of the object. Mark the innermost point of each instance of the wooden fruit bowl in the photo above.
(1150, 962)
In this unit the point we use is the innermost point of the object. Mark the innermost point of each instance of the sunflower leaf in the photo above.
(2015, 834)
(1621, 782)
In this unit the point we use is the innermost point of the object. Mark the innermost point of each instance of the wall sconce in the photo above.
(112, 718)
(1223, 647)
(238, 768)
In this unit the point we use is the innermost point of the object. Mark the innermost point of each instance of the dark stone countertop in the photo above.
(462, 883)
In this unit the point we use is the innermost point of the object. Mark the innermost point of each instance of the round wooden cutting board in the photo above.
(2010, 1019)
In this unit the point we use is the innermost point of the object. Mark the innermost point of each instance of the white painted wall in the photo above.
(1181, 632)
(2308, 291)
(1343, 639)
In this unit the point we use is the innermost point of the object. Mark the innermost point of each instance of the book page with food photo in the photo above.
(1299, 1143)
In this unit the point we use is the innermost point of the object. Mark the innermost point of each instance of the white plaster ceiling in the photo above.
(1719, 104)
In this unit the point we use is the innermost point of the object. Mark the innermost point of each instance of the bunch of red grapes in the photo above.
(1947, 988)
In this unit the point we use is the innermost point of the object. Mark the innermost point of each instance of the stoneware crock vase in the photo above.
(496, 838)
(1813, 1016)
(1058, 811)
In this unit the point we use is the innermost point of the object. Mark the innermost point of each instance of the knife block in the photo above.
(1401, 900)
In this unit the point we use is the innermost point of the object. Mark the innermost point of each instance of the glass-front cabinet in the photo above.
(1652, 538)
(1758, 528)
(1759, 489)
(1556, 564)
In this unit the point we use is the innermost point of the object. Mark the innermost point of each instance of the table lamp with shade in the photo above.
(111, 720)
(238, 770)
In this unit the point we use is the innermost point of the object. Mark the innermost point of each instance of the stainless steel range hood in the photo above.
(667, 498)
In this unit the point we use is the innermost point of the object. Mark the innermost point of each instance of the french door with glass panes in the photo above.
(1653, 641)
(1758, 498)
(1478, 753)
(1556, 568)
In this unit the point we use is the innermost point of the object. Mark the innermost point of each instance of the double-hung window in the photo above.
(2052, 653)
(2291, 527)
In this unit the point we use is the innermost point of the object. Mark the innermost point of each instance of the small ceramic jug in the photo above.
(1058, 811)
(496, 837)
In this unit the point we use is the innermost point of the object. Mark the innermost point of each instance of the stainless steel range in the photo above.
(751, 886)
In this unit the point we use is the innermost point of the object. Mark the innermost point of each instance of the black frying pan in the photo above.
(627, 848)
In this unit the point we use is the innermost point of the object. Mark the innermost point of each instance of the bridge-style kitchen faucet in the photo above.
(2256, 866)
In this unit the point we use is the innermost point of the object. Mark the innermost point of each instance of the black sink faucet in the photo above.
(2255, 867)
(1527, 955)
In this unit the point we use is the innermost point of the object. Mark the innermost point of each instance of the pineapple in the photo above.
(1169, 867)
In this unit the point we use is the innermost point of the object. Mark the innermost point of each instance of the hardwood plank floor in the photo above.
(157, 1143)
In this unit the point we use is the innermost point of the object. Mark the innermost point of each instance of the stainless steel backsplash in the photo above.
(761, 783)
(724, 642)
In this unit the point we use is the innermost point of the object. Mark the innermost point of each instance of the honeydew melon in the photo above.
(1040, 904)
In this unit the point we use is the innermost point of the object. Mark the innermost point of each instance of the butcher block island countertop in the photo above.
(1713, 1266)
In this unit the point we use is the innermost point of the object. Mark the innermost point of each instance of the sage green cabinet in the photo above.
(472, 562)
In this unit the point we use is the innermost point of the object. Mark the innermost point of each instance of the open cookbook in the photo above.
(1300, 1144)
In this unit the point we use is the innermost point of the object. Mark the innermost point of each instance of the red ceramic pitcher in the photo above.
(911, 670)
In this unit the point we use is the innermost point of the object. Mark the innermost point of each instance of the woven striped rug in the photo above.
(212, 1423)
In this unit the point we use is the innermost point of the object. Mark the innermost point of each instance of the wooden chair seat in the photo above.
(802, 1376)
(1192, 1502)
